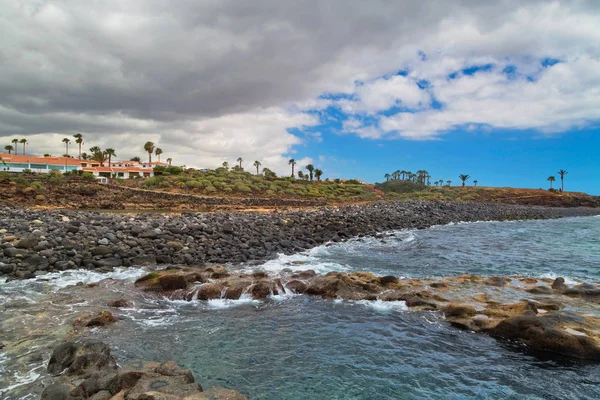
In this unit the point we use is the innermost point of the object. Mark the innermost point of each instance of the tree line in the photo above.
(422, 177)
(311, 174)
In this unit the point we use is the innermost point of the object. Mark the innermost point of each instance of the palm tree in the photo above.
(110, 153)
(136, 159)
(403, 173)
(551, 179)
(149, 148)
(475, 183)
(158, 152)
(79, 140)
(24, 142)
(310, 169)
(318, 174)
(225, 165)
(240, 160)
(169, 160)
(300, 174)
(66, 141)
(463, 178)
(9, 148)
(562, 174)
(448, 182)
(292, 162)
(16, 143)
(441, 181)
(84, 156)
(257, 164)
(98, 155)
(387, 177)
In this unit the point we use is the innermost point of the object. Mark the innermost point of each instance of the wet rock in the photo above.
(385, 280)
(546, 334)
(296, 286)
(102, 319)
(236, 287)
(540, 290)
(209, 291)
(119, 303)
(58, 391)
(497, 281)
(261, 290)
(459, 311)
(559, 284)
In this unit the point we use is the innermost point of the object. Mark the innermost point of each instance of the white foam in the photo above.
(302, 261)
(21, 380)
(568, 281)
(384, 306)
(59, 280)
(223, 304)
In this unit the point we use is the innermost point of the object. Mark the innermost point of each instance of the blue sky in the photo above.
(494, 158)
(499, 153)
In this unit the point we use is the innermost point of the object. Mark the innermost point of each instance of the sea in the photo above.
(301, 347)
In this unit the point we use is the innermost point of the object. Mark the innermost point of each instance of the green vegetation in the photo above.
(265, 183)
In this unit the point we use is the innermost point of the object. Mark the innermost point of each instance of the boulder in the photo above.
(296, 286)
(101, 251)
(119, 303)
(27, 243)
(559, 284)
(261, 290)
(459, 311)
(148, 234)
(546, 334)
(209, 291)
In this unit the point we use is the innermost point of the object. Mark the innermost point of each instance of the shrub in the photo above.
(193, 185)
(164, 184)
(37, 186)
(241, 188)
(210, 189)
(153, 182)
(40, 197)
(88, 176)
(219, 185)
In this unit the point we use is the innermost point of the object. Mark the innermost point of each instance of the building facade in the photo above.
(44, 165)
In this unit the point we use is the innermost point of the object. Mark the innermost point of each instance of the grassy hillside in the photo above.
(223, 182)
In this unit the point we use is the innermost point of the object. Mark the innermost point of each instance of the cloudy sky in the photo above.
(506, 91)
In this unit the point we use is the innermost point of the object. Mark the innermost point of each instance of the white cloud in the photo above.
(564, 96)
(210, 81)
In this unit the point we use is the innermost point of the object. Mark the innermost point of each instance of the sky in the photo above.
(507, 92)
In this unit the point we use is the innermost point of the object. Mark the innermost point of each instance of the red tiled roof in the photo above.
(40, 159)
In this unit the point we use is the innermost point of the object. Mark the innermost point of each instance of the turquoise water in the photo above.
(299, 347)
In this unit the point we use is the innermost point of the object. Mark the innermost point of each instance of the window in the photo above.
(39, 166)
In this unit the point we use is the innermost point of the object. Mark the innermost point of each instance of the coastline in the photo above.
(37, 242)
(470, 302)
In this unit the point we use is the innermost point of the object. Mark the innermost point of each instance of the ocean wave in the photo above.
(384, 306)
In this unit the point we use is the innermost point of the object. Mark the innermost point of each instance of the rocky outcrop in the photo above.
(87, 370)
(540, 322)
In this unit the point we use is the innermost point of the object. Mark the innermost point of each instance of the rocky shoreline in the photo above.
(37, 242)
(88, 370)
